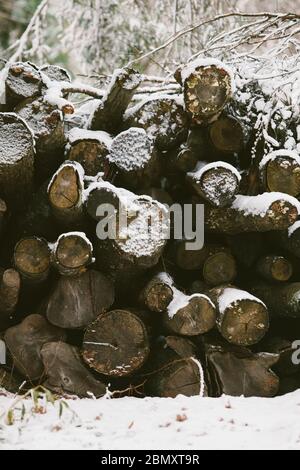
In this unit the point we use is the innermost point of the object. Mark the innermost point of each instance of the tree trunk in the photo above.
(25, 341)
(109, 114)
(116, 344)
(253, 213)
(17, 160)
(242, 318)
(77, 301)
(65, 372)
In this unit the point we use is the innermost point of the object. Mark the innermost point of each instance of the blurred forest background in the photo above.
(95, 36)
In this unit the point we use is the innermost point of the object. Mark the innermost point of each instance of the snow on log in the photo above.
(242, 319)
(17, 155)
(23, 81)
(280, 171)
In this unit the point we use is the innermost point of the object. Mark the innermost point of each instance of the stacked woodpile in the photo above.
(142, 313)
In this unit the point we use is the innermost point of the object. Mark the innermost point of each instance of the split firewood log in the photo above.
(65, 195)
(175, 369)
(71, 253)
(217, 182)
(236, 371)
(274, 268)
(90, 149)
(32, 259)
(268, 211)
(46, 121)
(23, 81)
(117, 343)
(282, 300)
(77, 301)
(163, 118)
(280, 171)
(133, 155)
(208, 85)
(242, 319)
(66, 373)
(24, 342)
(109, 113)
(17, 160)
(216, 262)
(10, 286)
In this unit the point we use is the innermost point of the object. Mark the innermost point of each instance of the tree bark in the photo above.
(66, 373)
(116, 344)
(77, 301)
(242, 319)
(25, 341)
(109, 114)
(17, 160)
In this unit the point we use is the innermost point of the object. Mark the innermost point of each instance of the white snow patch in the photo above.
(259, 205)
(293, 228)
(279, 153)
(76, 134)
(202, 167)
(231, 296)
(131, 149)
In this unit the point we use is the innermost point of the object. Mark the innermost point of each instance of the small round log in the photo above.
(77, 301)
(116, 344)
(32, 259)
(157, 294)
(280, 171)
(23, 81)
(242, 319)
(17, 160)
(274, 268)
(24, 342)
(65, 194)
(163, 118)
(216, 182)
(71, 254)
(226, 134)
(90, 149)
(66, 373)
(9, 292)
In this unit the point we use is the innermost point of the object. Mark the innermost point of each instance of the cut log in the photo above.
(207, 87)
(240, 372)
(90, 149)
(242, 319)
(10, 285)
(77, 301)
(163, 118)
(217, 182)
(158, 293)
(274, 268)
(56, 73)
(157, 194)
(133, 155)
(282, 300)
(24, 342)
(216, 263)
(32, 259)
(65, 195)
(17, 160)
(47, 124)
(280, 171)
(226, 134)
(268, 211)
(72, 253)
(65, 372)
(23, 81)
(102, 193)
(185, 160)
(109, 114)
(116, 344)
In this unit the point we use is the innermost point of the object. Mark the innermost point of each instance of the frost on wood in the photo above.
(163, 117)
(131, 150)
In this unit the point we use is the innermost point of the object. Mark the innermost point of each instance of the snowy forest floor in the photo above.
(154, 423)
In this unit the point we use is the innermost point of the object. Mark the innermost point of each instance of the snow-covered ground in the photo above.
(151, 423)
